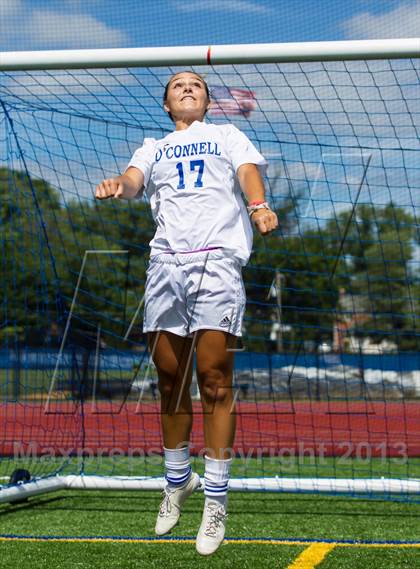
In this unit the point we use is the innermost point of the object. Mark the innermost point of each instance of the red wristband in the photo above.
(256, 202)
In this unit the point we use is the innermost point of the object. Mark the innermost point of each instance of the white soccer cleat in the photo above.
(212, 529)
(170, 508)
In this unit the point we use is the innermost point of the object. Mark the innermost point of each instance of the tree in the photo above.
(43, 243)
(378, 250)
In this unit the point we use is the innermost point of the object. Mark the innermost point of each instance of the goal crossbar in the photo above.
(211, 55)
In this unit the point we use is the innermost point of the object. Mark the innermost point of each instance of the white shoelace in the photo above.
(216, 516)
(166, 505)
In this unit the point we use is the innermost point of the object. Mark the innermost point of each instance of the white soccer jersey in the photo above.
(190, 179)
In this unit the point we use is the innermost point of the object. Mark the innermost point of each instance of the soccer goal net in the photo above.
(327, 377)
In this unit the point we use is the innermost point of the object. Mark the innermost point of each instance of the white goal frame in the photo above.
(212, 55)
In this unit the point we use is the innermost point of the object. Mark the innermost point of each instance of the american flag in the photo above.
(232, 101)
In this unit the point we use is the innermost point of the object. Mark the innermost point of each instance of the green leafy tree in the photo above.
(43, 245)
(378, 250)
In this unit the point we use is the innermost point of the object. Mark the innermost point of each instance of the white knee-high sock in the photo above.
(216, 478)
(177, 466)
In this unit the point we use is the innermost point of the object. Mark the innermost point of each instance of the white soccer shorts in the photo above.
(194, 291)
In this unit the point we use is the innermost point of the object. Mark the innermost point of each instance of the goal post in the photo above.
(211, 55)
(327, 379)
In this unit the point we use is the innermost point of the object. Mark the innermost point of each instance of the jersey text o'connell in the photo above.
(193, 149)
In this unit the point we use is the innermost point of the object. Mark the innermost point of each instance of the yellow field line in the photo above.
(244, 541)
(312, 556)
(308, 542)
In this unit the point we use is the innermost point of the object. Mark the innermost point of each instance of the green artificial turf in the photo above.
(251, 515)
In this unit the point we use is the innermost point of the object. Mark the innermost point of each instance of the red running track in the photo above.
(360, 429)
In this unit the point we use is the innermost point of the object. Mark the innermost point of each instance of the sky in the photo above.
(291, 124)
(334, 135)
(78, 24)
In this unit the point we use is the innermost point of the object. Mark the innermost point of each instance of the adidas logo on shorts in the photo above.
(225, 322)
